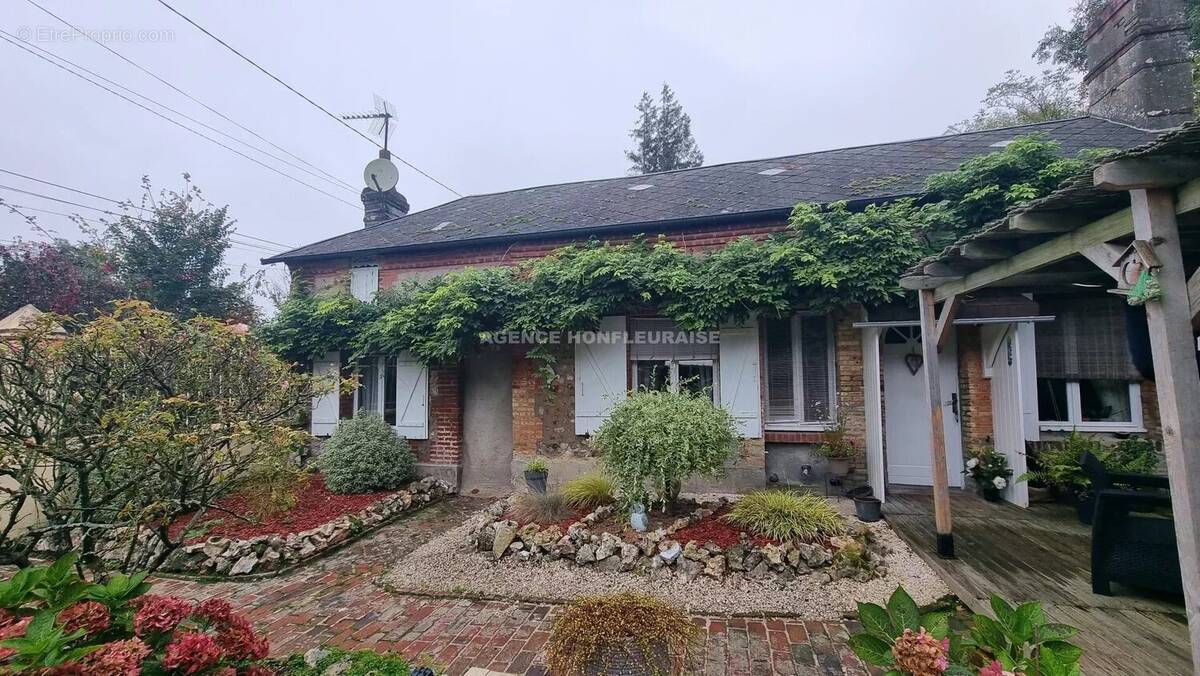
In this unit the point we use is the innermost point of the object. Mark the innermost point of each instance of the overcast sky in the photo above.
(491, 95)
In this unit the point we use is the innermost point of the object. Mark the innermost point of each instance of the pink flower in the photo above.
(240, 643)
(214, 610)
(90, 616)
(119, 658)
(997, 669)
(192, 653)
(159, 614)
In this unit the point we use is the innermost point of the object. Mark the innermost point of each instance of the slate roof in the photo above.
(766, 188)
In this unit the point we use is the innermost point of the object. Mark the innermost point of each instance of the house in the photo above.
(476, 422)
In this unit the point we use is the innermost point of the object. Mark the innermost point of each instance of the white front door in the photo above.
(907, 443)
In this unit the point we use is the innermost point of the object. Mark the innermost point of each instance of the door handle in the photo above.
(953, 404)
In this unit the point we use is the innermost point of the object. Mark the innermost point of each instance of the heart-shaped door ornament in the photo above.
(913, 361)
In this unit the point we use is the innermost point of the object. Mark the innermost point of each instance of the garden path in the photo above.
(334, 601)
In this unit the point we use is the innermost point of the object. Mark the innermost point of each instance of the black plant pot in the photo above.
(630, 660)
(991, 493)
(536, 481)
(868, 509)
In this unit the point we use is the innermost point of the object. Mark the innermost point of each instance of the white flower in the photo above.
(972, 463)
(1000, 483)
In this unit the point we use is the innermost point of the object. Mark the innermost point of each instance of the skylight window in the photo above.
(771, 172)
(641, 186)
(441, 226)
(1002, 144)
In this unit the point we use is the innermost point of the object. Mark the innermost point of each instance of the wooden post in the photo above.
(937, 432)
(1178, 386)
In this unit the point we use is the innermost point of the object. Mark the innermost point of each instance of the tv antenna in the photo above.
(383, 118)
(380, 174)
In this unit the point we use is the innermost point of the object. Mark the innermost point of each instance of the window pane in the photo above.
(814, 350)
(368, 387)
(1052, 400)
(696, 378)
(1104, 401)
(653, 375)
(781, 392)
(389, 392)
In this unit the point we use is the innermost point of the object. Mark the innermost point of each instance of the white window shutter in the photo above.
(599, 377)
(325, 407)
(412, 398)
(364, 282)
(740, 394)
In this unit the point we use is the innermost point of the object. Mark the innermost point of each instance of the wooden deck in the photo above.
(1044, 554)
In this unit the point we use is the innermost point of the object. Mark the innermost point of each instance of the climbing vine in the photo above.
(828, 257)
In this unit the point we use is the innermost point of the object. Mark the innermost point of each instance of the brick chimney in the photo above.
(1139, 64)
(380, 207)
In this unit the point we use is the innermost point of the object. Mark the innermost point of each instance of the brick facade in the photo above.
(974, 391)
(444, 446)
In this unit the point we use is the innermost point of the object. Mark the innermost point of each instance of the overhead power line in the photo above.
(21, 44)
(121, 203)
(207, 107)
(119, 215)
(297, 92)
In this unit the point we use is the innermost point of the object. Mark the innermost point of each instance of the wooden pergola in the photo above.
(1140, 207)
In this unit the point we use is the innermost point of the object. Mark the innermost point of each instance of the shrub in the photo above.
(364, 455)
(540, 508)
(594, 629)
(1018, 640)
(361, 663)
(988, 468)
(589, 491)
(783, 515)
(1058, 463)
(653, 441)
(538, 464)
(52, 621)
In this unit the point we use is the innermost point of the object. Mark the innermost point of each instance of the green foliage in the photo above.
(365, 455)
(786, 515)
(652, 441)
(361, 663)
(836, 445)
(45, 645)
(988, 468)
(537, 464)
(828, 257)
(663, 136)
(589, 491)
(1026, 99)
(540, 508)
(1019, 639)
(1057, 464)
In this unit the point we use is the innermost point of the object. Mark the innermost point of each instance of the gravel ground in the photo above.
(446, 566)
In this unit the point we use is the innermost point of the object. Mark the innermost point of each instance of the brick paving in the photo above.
(334, 601)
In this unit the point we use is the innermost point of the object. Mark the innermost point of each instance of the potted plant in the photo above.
(837, 449)
(536, 472)
(626, 634)
(989, 469)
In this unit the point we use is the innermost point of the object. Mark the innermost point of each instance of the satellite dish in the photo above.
(381, 175)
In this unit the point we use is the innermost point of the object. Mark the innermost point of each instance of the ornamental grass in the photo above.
(786, 515)
(539, 508)
(589, 491)
(602, 631)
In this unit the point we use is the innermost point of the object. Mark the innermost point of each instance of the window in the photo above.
(668, 359)
(800, 389)
(1086, 380)
(376, 391)
(364, 282)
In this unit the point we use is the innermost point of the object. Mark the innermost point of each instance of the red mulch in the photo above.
(716, 530)
(315, 505)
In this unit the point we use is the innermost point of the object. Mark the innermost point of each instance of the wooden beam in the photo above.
(937, 435)
(945, 270)
(1134, 173)
(983, 250)
(922, 282)
(1046, 221)
(1104, 255)
(1193, 289)
(1177, 385)
(945, 321)
(1098, 232)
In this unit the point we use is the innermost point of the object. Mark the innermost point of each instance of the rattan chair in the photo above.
(1133, 541)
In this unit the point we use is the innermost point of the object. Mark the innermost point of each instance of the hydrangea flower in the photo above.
(239, 642)
(192, 653)
(1000, 483)
(972, 463)
(214, 610)
(90, 616)
(159, 614)
(920, 654)
(997, 669)
(119, 658)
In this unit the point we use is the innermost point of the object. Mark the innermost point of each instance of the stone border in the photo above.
(219, 558)
(854, 555)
